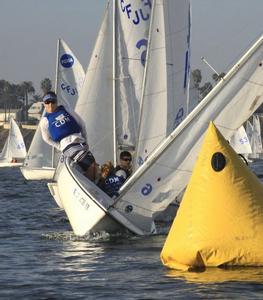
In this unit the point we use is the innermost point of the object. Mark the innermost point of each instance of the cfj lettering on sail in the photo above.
(136, 15)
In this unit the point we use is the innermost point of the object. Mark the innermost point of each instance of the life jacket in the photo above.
(128, 173)
(112, 185)
(61, 124)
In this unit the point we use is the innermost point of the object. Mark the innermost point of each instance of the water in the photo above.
(42, 259)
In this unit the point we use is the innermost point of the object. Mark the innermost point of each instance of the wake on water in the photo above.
(91, 237)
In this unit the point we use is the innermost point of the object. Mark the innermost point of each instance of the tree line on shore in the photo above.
(17, 95)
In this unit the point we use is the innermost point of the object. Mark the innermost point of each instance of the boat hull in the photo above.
(53, 189)
(9, 164)
(84, 203)
(38, 173)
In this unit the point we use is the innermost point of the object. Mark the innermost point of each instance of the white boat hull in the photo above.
(9, 164)
(87, 207)
(44, 173)
(84, 203)
(53, 188)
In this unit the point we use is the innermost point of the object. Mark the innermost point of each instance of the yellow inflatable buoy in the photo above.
(220, 219)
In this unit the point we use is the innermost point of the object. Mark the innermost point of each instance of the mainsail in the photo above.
(164, 99)
(70, 76)
(131, 29)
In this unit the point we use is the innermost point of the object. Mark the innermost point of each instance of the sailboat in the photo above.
(14, 150)
(162, 27)
(42, 159)
(163, 167)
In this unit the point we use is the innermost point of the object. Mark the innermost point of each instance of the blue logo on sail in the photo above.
(147, 189)
(67, 60)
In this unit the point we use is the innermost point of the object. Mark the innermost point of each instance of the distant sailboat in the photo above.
(14, 150)
(41, 160)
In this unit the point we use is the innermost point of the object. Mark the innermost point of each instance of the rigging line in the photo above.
(207, 63)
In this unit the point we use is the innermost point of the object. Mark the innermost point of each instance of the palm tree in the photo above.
(27, 87)
(5, 90)
(37, 98)
(46, 85)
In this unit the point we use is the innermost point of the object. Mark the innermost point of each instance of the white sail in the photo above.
(39, 154)
(164, 102)
(95, 102)
(70, 76)
(14, 147)
(131, 25)
(41, 159)
(240, 142)
(167, 170)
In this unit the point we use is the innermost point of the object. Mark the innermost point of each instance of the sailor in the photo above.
(66, 132)
(124, 168)
(109, 182)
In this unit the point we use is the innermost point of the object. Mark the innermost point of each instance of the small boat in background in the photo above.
(14, 150)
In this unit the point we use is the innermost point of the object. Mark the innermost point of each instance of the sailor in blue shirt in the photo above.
(66, 132)
(109, 182)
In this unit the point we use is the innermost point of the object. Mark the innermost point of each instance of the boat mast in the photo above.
(114, 82)
(56, 89)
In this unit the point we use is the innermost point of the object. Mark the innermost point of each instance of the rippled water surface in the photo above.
(42, 259)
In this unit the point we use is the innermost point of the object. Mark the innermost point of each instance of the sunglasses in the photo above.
(126, 159)
(49, 101)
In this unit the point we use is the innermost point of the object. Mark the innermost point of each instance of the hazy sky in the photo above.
(221, 31)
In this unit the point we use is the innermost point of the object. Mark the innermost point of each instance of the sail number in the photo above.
(21, 146)
(139, 44)
(70, 90)
(243, 140)
(137, 15)
(179, 117)
(82, 201)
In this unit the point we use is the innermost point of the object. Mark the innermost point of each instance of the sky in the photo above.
(221, 32)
